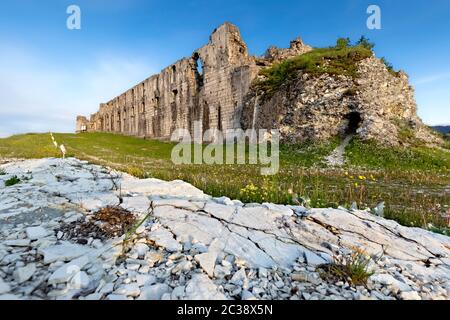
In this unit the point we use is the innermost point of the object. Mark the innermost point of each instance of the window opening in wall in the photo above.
(199, 68)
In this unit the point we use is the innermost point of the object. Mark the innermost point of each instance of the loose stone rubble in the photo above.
(193, 246)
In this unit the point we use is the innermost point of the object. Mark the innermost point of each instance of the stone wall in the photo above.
(82, 124)
(208, 87)
(297, 47)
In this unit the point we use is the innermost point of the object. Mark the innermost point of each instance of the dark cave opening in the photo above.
(354, 122)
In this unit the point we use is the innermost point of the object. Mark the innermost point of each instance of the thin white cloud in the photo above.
(35, 97)
(432, 78)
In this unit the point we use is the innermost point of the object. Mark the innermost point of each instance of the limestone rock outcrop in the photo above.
(375, 105)
(194, 246)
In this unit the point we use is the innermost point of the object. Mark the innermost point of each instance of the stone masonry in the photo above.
(208, 87)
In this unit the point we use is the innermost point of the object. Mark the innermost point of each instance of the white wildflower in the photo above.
(63, 150)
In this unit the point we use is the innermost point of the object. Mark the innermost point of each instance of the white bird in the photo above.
(63, 150)
(55, 143)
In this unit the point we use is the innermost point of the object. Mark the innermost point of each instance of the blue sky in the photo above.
(49, 74)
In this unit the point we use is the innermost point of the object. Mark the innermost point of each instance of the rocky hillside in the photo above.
(63, 235)
(334, 91)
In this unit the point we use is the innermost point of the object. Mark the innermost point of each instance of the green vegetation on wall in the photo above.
(338, 60)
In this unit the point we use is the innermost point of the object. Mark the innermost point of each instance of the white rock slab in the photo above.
(220, 211)
(25, 273)
(154, 292)
(98, 201)
(63, 252)
(257, 217)
(284, 254)
(411, 295)
(312, 258)
(145, 279)
(164, 238)
(35, 233)
(131, 290)
(4, 287)
(179, 204)
(200, 287)
(160, 188)
(388, 280)
(80, 280)
(279, 209)
(64, 273)
(139, 204)
(18, 243)
(9, 297)
(208, 260)
(239, 277)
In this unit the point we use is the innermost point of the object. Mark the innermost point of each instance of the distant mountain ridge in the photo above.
(442, 129)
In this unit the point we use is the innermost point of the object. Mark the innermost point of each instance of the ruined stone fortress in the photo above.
(214, 87)
(209, 87)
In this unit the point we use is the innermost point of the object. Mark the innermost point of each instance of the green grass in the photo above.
(415, 158)
(412, 182)
(353, 268)
(447, 142)
(12, 181)
(333, 61)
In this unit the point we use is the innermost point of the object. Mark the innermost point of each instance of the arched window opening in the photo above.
(198, 68)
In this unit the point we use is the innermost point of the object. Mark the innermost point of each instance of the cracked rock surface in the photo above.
(193, 246)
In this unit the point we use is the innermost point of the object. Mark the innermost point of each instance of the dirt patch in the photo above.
(108, 222)
(115, 221)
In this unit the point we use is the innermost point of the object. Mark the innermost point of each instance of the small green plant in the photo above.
(442, 230)
(342, 43)
(353, 268)
(406, 133)
(365, 42)
(13, 181)
(390, 67)
(2, 172)
(129, 236)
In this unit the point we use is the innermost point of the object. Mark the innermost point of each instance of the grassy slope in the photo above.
(413, 183)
